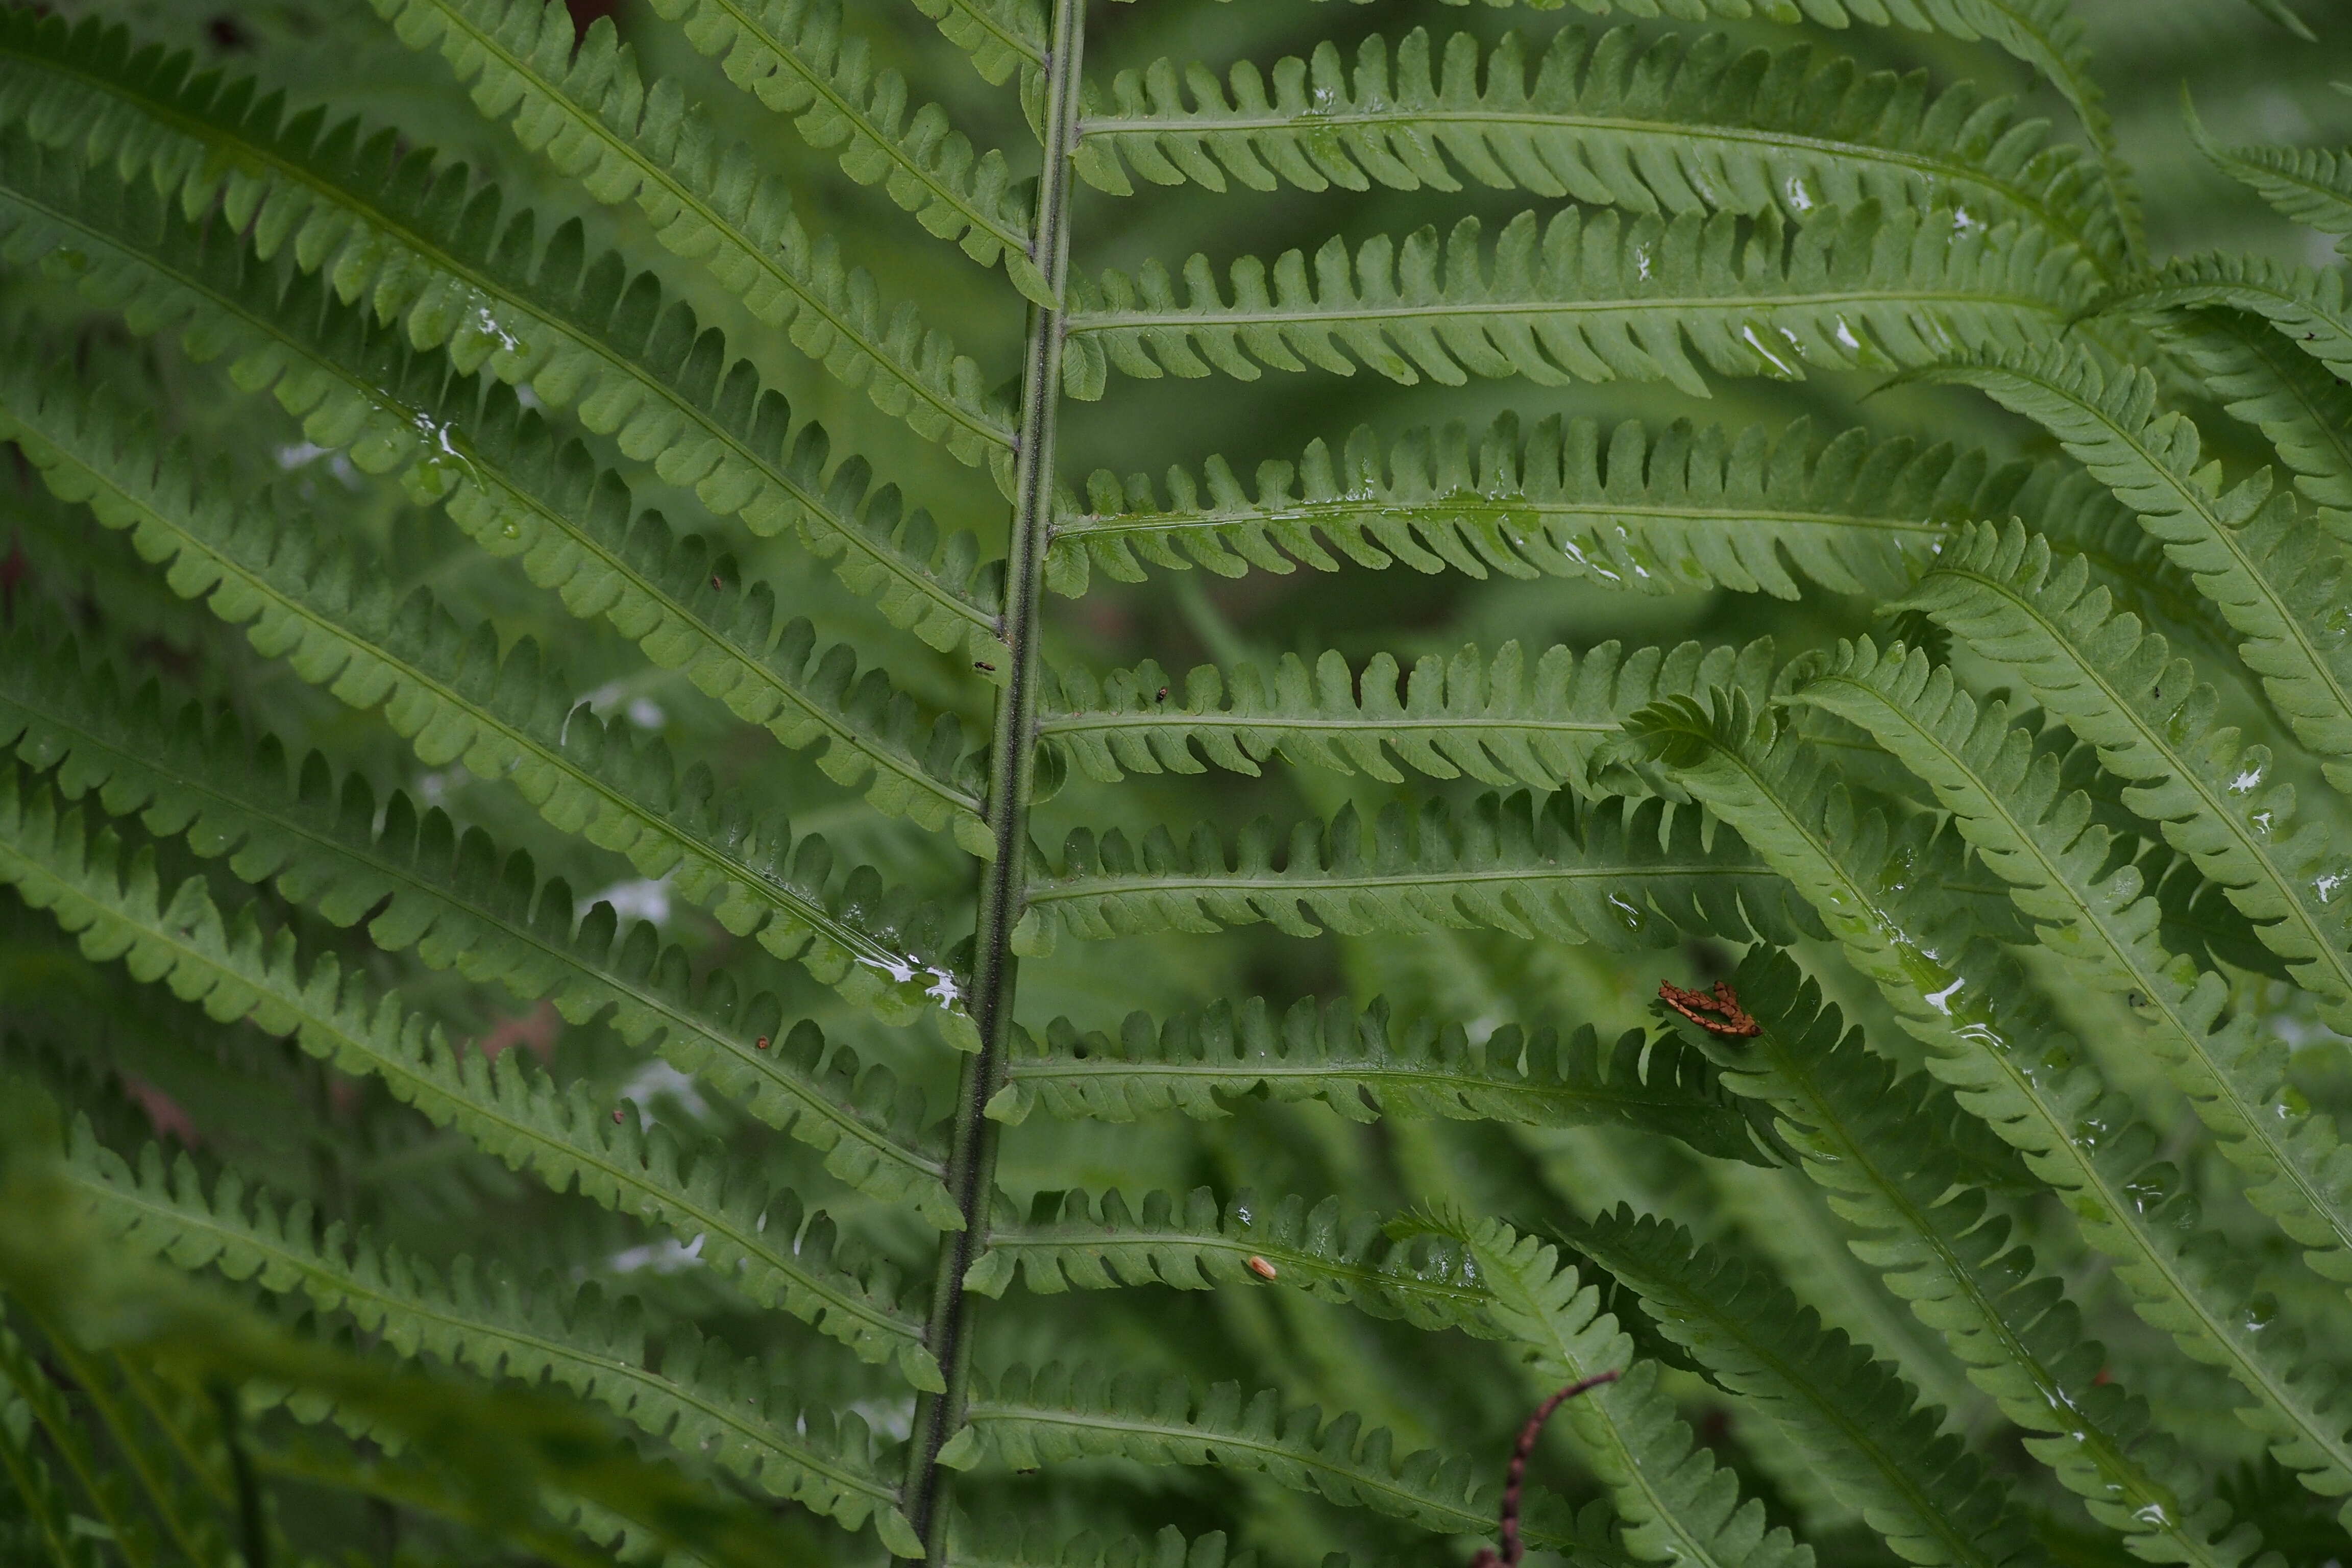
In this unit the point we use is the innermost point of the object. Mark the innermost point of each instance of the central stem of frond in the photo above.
(971, 1170)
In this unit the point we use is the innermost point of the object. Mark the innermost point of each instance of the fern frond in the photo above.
(456, 698)
(1193, 1244)
(580, 100)
(457, 901)
(1679, 509)
(1460, 716)
(2274, 577)
(580, 332)
(229, 966)
(1677, 1504)
(1880, 1146)
(1364, 1064)
(796, 57)
(1593, 297)
(1023, 1420)
(1856, 1425)
(703, 1401)
(2013, 1067)
(2012, 805)
(2309, 184)
(2214, 799)
(1624, 873)
(1670, 125)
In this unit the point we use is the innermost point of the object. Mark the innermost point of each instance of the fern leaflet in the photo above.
(1679, 509)
(1364, 1064)
(1460, 716)
(2310, 184)
(1593, 297)
(1620, 872)
(1669, 125)
(1026, 1419)
(1193, 1244)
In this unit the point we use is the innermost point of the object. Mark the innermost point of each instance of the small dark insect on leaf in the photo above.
(1728, 1016)
(715, 582)
(761, 1043)
(616, 1116)
(1260, 1268)
(984, 664)
(1162, 696)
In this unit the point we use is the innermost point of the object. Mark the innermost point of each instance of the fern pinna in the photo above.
(1031, 784)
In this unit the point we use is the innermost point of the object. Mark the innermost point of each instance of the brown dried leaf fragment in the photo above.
(1719, 1013)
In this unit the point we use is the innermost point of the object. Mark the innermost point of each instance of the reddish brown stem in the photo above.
(1515, 1478)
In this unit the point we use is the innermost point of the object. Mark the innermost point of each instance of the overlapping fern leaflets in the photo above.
(462, 904)
(577, 331)
(2009, 804)
(456, 698)
(1975, 1008)
(507, 861)
(797, 58)
(1881, 1146)
(2152, 721)
(231, 966)
(579, 100)
(1850, 1417)
(2272, 578)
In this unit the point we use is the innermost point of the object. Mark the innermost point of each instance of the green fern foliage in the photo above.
(649, 915)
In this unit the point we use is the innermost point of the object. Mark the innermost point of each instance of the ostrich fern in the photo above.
(612, 951)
